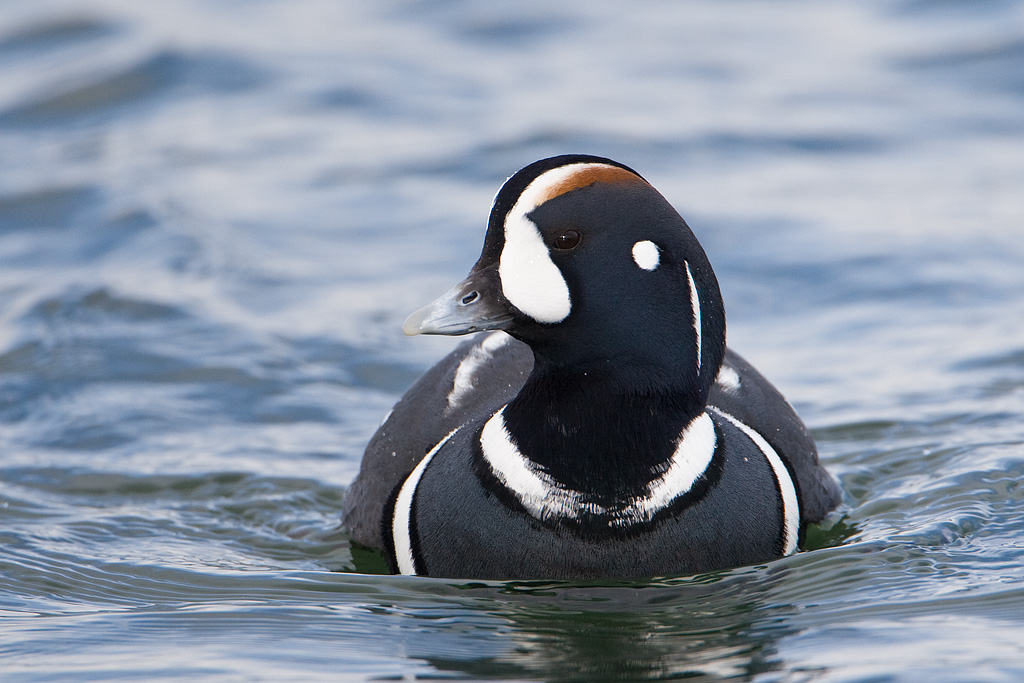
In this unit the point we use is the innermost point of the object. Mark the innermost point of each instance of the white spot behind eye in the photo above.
(646, 254)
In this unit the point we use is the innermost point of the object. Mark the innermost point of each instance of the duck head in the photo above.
(591, 266)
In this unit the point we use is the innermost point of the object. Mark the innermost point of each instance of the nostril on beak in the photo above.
(469, 298)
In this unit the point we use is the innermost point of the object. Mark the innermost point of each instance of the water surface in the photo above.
(214, 216)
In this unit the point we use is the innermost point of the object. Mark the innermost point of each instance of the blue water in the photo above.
(215, 214)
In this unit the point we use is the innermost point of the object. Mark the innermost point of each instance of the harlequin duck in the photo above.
(601, 428)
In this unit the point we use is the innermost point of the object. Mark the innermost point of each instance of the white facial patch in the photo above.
(546, 498)
(646, 254)
(529, 278)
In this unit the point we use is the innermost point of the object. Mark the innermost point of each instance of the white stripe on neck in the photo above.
(545, 498)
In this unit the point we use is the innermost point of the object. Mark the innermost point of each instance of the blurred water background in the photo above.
(215, 214)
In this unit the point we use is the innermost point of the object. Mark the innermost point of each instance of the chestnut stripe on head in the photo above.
(529, 278)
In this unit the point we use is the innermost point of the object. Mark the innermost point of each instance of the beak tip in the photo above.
(413, 325)
(453, 314)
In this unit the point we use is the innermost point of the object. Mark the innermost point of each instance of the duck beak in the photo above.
(473, 305)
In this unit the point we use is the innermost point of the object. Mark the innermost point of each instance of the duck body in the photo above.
(605, 431)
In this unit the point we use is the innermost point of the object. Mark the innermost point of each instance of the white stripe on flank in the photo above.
(544, 497)
(695, 304)
(464, 381)
(401, 533)
(790, 504)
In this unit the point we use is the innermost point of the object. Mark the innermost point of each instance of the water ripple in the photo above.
(214, 216)
(108, 95)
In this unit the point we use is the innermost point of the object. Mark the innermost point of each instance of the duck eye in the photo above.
(567, 239)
